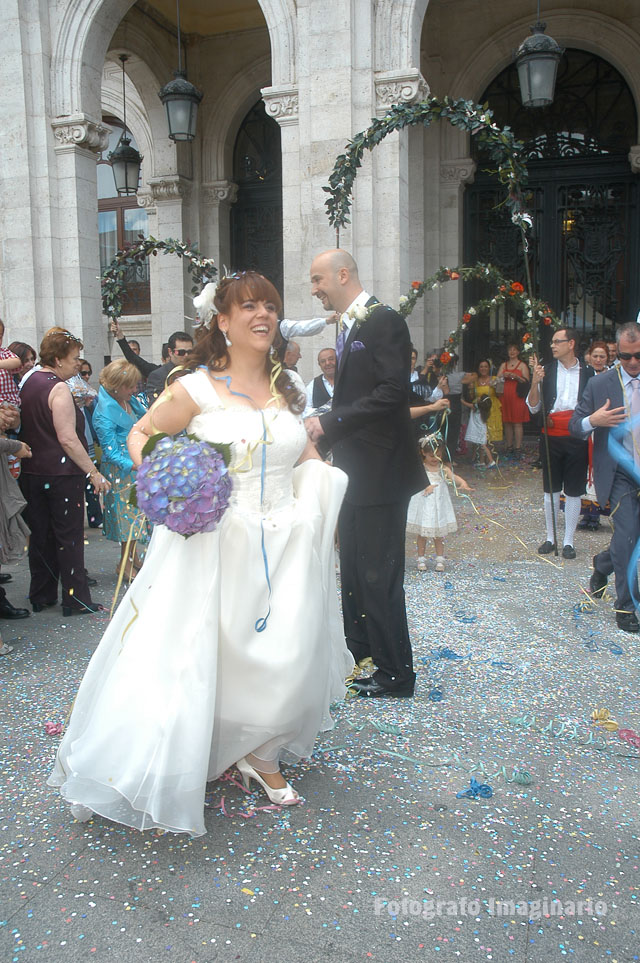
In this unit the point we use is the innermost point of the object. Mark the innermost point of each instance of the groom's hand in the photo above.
(314, 428)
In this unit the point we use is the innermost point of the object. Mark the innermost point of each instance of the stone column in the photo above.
(398, 222)
(454, 174)
(170, 285)
(215, 227)
(78, 140)
(634, 158)
(282, 104)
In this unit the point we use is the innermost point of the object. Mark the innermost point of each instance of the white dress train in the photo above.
(182, 684)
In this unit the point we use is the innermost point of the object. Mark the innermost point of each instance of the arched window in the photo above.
(120, 222)
(585, 253)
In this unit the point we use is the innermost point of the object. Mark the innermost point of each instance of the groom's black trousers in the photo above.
(372, 553)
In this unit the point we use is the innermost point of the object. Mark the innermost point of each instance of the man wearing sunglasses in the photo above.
(610, 400)
(180, 344)
(563, 383)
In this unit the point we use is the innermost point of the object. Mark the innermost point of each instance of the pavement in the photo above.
(384, 861)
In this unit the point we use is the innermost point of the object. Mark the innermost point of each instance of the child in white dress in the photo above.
(431, 513)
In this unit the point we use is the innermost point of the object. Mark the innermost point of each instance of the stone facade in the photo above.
(324, 68)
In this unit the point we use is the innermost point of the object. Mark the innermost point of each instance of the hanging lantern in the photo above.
(537, 60)
(181, 99)
(125, 159)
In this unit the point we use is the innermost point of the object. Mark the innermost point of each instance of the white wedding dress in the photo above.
(183, 684)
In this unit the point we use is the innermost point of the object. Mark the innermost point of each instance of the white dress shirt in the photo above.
(309, 390)
(567, 388)
(301, 329)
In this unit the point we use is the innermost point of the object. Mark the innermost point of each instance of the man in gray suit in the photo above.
(611, 399)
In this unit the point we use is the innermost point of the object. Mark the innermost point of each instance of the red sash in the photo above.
(557, 425)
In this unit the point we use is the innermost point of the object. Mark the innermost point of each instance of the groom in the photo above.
(369, 432)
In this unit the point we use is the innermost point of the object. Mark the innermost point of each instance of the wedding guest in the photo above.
(10, 364)
(515, 374)
(292, 355)
(52, 481)
(320, 389)
(115, 415)
(485, 418)
(179, 346)
(87, 407)
(563, 381)
(131, 351)
(11, 507)
(599, 356)
(27, 356)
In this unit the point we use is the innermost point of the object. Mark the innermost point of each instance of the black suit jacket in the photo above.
(369, 427)
(603, 386)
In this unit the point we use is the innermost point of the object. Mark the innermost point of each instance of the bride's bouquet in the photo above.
(183, 483)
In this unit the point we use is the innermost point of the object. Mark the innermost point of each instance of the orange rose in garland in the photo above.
(516, 288)
(415, 285)
(445, 357)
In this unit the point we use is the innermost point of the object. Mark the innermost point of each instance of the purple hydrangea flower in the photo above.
(185, 485)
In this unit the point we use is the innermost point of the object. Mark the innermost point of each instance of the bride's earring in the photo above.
(273, 354)
(226, 339)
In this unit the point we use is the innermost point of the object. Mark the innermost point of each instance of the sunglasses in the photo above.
(627, 355)
(181, 351)
(85, 374)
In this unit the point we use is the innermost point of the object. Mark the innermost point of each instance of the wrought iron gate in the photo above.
(584, 255)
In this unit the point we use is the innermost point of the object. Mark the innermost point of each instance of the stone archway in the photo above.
(87, 26)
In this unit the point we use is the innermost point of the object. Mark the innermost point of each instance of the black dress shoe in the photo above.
(41, 606)
(8, 611)
(627, 621)
(568, 551)
(597, 582)
(84, 609)
(546, 548)
(5, 577)
(371, 687)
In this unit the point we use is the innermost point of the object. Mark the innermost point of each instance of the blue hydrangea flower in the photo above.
(184, 484)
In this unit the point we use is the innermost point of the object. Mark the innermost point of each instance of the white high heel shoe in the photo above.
(281, 797)
(81, 813)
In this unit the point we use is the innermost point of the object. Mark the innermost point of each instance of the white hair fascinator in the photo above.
(204, 305)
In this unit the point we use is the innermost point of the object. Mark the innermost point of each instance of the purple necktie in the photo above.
(340, 340)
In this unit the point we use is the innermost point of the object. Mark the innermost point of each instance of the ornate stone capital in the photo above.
(399, 87)
(634, 158)
(281, 103)
(145, 198)
(78, 131)
(459, 171)
(170, 187)
(220, 192)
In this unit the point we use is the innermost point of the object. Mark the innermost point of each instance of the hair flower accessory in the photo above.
(204, 305)
(183, 483)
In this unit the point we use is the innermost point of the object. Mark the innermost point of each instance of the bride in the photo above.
(228, 647)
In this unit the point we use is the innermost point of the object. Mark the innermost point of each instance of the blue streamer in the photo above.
(261, 623)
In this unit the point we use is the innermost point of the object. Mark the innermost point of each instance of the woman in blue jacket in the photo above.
(114, 416)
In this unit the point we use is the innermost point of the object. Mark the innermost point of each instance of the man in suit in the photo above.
(369, 432)
(320, 389)
(180, 344)
(611, 399)
(563, 383)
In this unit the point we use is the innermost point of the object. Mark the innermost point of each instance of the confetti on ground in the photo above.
(382, 861)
